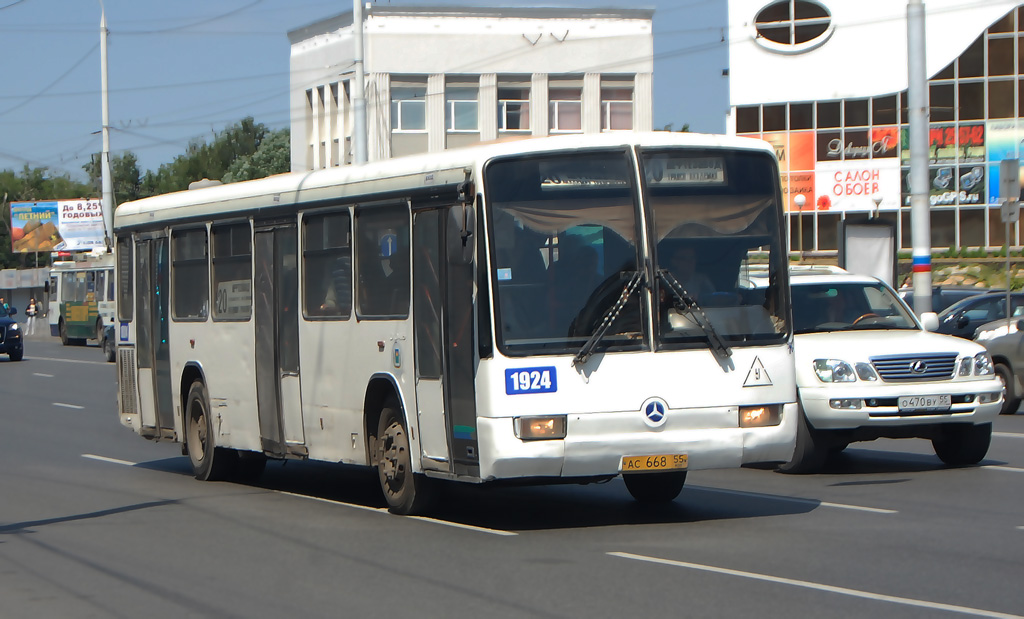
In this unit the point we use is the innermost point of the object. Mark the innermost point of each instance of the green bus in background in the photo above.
(81, 299)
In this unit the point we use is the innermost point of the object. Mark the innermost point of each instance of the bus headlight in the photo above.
(760, 416)
(539, 428)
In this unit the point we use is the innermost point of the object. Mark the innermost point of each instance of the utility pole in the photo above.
(358, 94)
(107, 204)
(920, 213)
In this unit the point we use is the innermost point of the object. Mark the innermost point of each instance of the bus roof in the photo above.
(442, 170)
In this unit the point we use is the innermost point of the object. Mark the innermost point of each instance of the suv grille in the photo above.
(3, 334)
(936, 366)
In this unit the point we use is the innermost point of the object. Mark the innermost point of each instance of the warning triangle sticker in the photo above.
(757, 376)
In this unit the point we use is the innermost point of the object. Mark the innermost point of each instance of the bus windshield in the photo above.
(568, 263)
(714, 218)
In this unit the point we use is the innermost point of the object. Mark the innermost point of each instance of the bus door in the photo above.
(275, 309)
(443, 326)
(153, 349)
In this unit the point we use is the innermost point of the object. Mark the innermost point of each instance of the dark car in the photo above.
(944, 296)
(1004, 340)
(109, 343)
(11, 342)
(964, 317)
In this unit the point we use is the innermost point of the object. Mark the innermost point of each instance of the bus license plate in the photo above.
(661, 462)
(925, 402)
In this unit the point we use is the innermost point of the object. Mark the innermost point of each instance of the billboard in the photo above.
(56, 225)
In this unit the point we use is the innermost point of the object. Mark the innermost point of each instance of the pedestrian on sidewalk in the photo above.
(30, 312)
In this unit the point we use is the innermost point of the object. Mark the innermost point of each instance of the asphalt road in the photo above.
(98, 522)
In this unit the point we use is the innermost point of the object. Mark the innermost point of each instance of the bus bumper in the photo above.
(596, 442)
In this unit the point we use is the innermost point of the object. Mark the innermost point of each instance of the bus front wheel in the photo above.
(655, 487)
(405, 492)
(209, 462)
(63, 329)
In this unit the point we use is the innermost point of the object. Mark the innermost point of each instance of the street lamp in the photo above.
(800, 200)
(877, 199)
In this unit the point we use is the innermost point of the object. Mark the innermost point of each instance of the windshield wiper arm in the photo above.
(685, 303)
(609, 317)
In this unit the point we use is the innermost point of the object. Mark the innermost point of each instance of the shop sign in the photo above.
(852, 186)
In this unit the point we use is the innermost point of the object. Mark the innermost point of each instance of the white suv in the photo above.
(867, 369)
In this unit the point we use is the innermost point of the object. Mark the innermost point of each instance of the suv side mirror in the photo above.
(962, 321)
(930, 321)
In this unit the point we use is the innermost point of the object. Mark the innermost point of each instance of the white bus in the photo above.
(81, 298)
(485, 314)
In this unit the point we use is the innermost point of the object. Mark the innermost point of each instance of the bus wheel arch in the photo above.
(390, 449)
(209, 462)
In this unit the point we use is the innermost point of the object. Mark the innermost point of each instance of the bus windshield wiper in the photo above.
(609, 317)
(684, 303)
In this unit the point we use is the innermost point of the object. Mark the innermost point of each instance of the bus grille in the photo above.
(126, 379)
(937, 366)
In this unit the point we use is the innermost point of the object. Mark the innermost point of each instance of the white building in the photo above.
(826, 82)
(444, 77)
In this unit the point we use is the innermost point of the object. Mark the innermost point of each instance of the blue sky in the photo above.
(184, 69)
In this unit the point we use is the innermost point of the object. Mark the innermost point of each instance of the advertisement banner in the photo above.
(801, 151)
(853, 185)
(1001, 143)
(949, 185)
(56, 225)
(884, 141)
(948, 144)
(798, 183)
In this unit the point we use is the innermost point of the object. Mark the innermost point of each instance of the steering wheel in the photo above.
(866, 316)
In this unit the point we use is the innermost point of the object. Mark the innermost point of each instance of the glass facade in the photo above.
(851, 155)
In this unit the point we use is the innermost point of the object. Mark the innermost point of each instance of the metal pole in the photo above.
(1007, 271)
(107, 203)
(358, 94)
(920, 214)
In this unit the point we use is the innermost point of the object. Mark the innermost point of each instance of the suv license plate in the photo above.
(661, 462)
(925, 402)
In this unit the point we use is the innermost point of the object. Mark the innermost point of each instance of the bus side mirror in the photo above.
(46, 287)
(461, 234)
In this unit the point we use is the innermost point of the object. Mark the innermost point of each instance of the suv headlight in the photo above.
(14, 327)
(834, 371)
(983, 365)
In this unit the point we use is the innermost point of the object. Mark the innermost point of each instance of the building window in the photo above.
(1000, 99)
(828, 114)
(409, 108)
(513, 109)
(566, 109)
(461, 107)
(748, 119)
(793, 25)
(883, 110)
(190, 274)
(855, 113)
(616, 109)
(773, 117)
(801, 116)
(1000, 56)
(940, 102)
(972, 101)
(972, 62)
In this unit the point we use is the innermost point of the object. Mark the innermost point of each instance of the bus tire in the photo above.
(63, 329)
(655, 487)
(209, 462)
(810, 453)
(99, 330)
(405, 492)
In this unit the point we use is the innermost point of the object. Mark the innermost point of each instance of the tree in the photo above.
(272, 157)
(124, 175)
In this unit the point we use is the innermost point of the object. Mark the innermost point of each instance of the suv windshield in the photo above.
(844, 306)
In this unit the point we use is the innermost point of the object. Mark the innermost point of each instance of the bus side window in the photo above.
(383, 269)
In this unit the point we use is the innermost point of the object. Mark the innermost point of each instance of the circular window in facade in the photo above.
(793, 26)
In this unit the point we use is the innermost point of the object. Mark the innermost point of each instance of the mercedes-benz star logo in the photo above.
(655, 412)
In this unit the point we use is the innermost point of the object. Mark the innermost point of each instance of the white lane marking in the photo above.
(69, 360)
(382, 510)
(106, 459)
(820, 587)
(776, 497)
(41, 374)
(75, 406)
(1002, 468)
(1008, 434)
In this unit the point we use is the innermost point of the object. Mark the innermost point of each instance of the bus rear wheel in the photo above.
(405, 492)
(63, 329)
(655, 487)
(209, 462)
